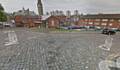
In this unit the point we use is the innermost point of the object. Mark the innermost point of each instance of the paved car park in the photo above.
(54, 51)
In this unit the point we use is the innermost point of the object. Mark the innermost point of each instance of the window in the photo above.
(110, 24)
(105, 20)
(96, 23)
(90, 23)
(104, 24)
(112, 20)
(119, 20)
(97, 20)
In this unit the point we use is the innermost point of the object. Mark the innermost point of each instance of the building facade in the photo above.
(101, 20)
(55, 21)
(28, 21)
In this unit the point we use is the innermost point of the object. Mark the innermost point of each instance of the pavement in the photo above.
(28, 50)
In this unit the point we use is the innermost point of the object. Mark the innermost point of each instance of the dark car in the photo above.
(118, 30)
(108, 32)
(7, 25)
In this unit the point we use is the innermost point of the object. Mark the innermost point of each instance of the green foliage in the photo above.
(1, 8)
(3, 16)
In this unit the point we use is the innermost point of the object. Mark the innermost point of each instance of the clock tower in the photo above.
(40, 7)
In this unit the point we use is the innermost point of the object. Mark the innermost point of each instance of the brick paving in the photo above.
(39, 51)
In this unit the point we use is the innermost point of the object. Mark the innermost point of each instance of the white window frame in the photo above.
(104, 19)
(119, 20)
(97, 19)
(104, 24)
(110, 24)
(96, 23)
(90, 23)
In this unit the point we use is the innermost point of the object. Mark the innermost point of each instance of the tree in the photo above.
(3, 16)
(1, 8)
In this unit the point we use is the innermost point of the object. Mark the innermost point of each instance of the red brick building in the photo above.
(101, 20)
(55, 21)
(18, 21)
(28, 21)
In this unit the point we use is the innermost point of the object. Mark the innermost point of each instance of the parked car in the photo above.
(92, 27)
(108, 32)
(76, 27)
(118, 30)
(115, 29)
(7, 25)
(97, 28)
(1, 26)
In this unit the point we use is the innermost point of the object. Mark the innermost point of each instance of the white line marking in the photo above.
(12, 38)
(105, 64)
(107, 45)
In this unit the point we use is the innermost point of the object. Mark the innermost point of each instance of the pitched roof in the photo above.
(44, 17)
(58, 17)
(102, 16)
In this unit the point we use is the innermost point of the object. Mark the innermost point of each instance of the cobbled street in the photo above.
(53, 51)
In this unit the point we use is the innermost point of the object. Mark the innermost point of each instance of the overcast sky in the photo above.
(84, 6)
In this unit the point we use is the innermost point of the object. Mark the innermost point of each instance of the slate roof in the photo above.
(58, 17)
(102, 16)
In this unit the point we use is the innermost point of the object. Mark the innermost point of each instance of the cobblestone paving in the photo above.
(53, 52)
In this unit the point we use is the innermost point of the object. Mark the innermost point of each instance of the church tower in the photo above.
(40, 7)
